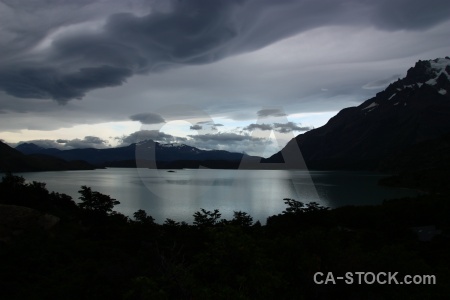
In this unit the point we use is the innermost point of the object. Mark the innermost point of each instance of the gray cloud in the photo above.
(77, 60)
(289, 127)
(154, 135)
(409, 15)
(44, 143)
(64, 144)
(377, 84)
(228, 141)
(222, 137)
(280, 127)
(252, 127)
(214, 126)
(270, 112)
(148, 118)
(200, 125)
(196, 127)
(87, 142)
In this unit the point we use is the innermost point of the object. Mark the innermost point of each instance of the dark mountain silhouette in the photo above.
(425, 166)
(145, 153)
(409, 111)
(12, 160)
(91, 155)
(430, 154)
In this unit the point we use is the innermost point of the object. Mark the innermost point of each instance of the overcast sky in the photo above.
(223, 74)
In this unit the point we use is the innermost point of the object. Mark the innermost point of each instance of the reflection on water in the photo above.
(177, 195)
(215, 182)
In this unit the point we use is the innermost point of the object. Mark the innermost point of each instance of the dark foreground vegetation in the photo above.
(53, 248)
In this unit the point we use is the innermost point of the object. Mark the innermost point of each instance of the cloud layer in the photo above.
(64, 144)
(154, 135)
(148, 118)
(97, 44)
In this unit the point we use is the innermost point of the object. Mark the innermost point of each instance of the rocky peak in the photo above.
(426, 81)
(413, 109)
(420, 73)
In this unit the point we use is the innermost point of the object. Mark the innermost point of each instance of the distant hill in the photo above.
(411, 110)
(166, 155)
(13, 160)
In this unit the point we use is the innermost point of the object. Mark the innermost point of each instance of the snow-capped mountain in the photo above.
(411, 110)
(126, 156)
(426, 76)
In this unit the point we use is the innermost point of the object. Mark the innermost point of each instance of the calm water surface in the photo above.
(177, 195)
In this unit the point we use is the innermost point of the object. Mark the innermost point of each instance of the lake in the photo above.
(179, 194)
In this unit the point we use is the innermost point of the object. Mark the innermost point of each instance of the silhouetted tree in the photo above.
(314, 206)
(142, 217)
(242, 219)
(11, 180)
(11, 187)
(170, 222)
(206, 218)
(294, 206)
(95, 201)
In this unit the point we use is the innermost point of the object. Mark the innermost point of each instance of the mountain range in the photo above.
(14, 161)
(142, 154)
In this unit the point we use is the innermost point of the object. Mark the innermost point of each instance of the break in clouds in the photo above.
(61, 50)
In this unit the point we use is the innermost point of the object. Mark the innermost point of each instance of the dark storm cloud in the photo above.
(409, 15)
(77, 61)
(280, 127)
(193, 32)
(148, 118)
(153, 135)
(50, 83)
